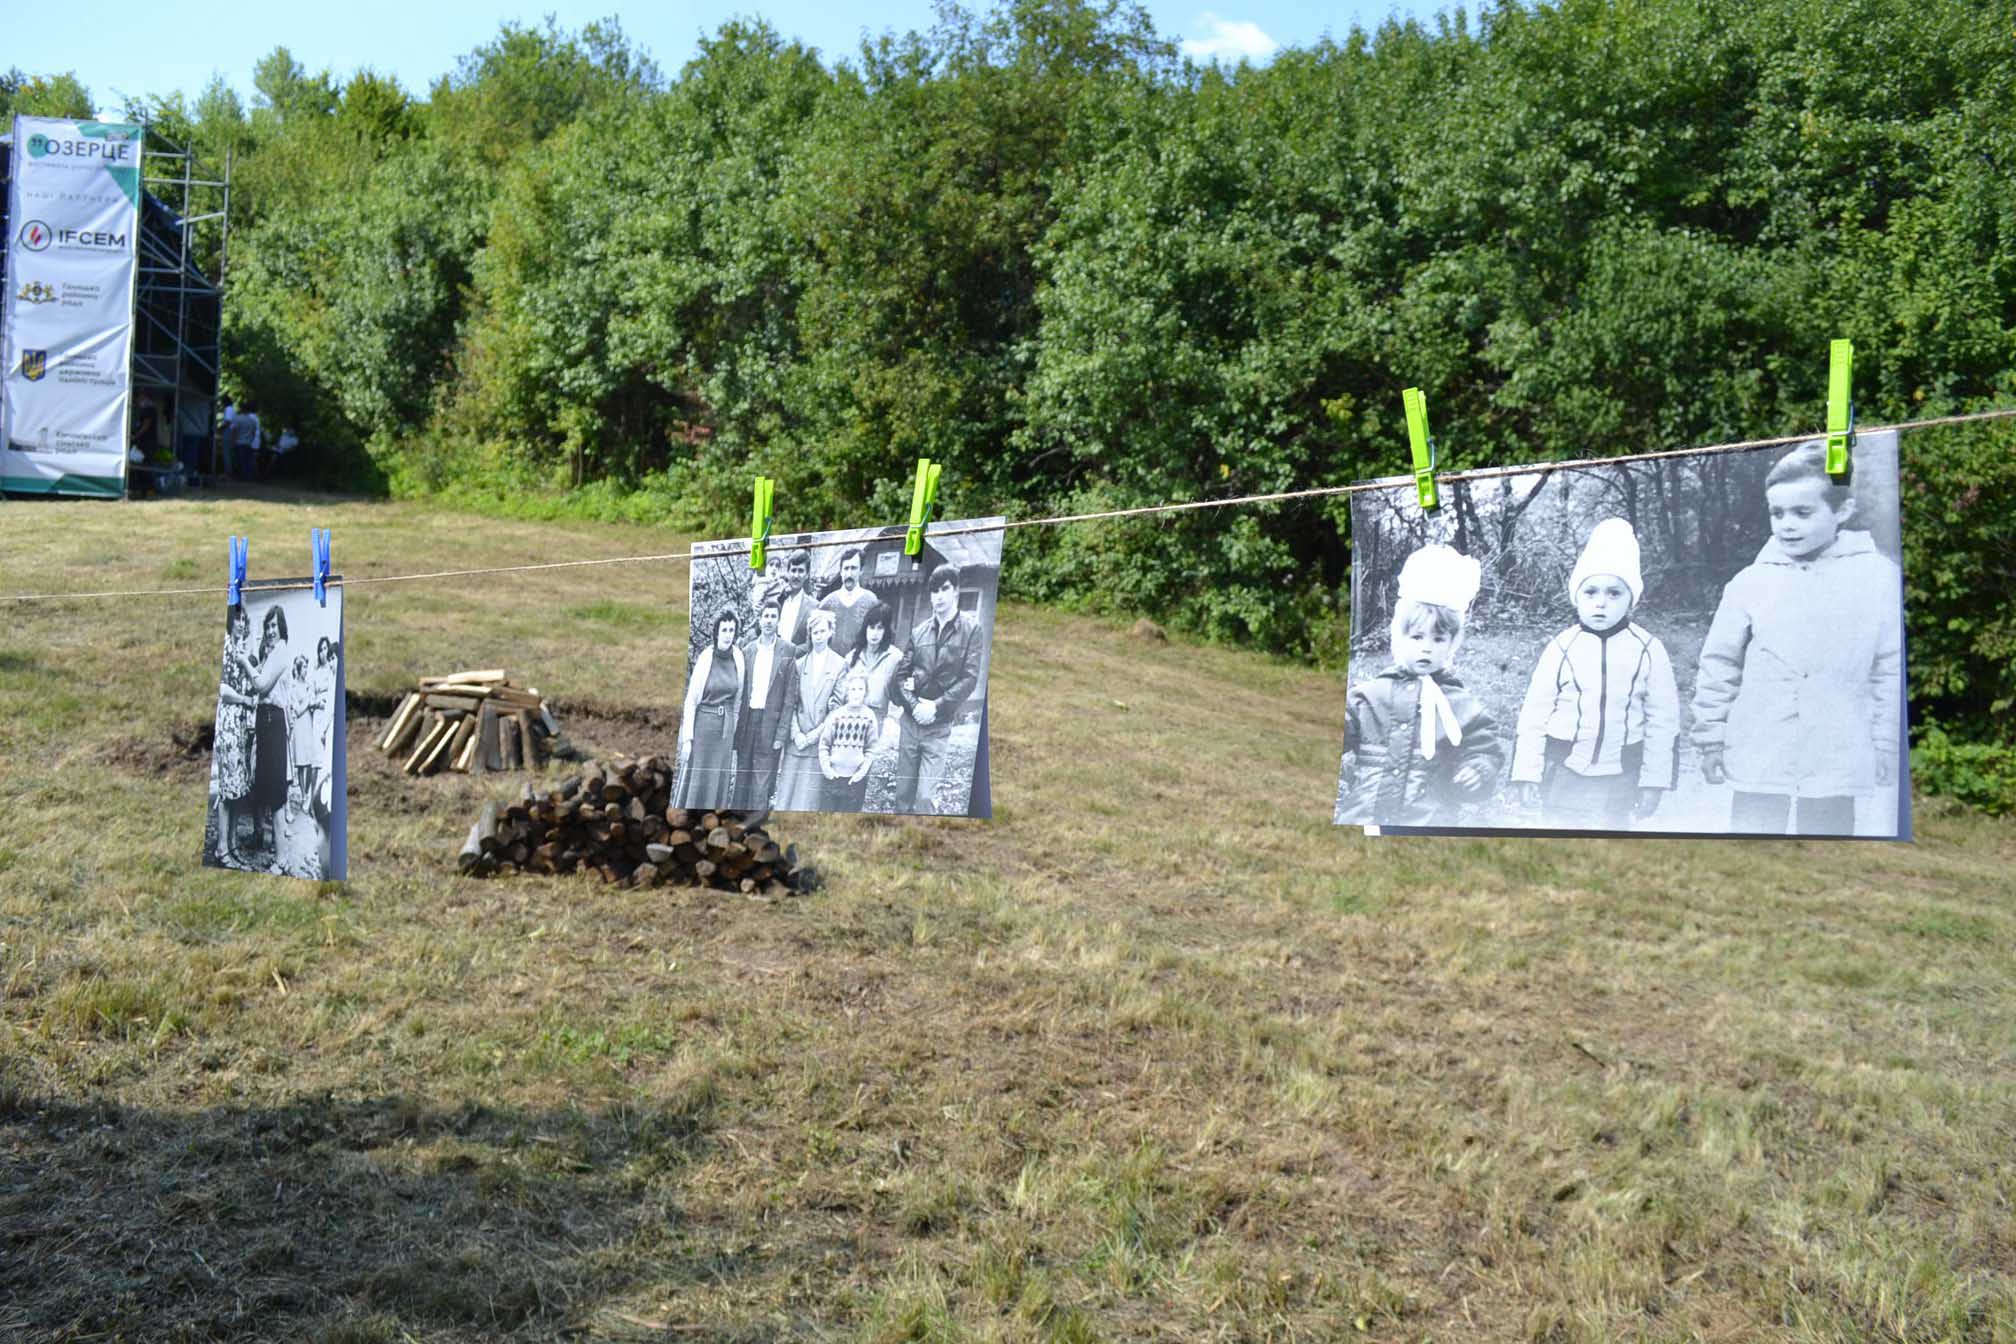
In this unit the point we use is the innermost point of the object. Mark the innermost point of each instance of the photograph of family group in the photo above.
(844, 676)
(276, 770)
(1703, 644)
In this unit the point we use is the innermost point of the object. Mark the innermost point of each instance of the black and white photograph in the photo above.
(845, 676)
(276, 771)
(1700, 644)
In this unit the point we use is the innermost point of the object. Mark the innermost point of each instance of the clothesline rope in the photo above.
(1059, 520)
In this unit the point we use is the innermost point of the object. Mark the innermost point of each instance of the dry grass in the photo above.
(1157, 1055)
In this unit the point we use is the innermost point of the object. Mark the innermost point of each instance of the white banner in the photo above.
(73, 222)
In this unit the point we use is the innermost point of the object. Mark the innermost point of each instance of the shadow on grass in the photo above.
(325, 1219)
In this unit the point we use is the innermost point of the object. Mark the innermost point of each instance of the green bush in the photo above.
(1980, 774)
(1960, 579)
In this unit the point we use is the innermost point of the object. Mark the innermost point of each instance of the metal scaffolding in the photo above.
(178, 311)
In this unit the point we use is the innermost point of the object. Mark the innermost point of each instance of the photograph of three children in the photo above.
(1699, 644)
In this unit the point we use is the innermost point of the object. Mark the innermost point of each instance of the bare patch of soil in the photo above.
(185, 751)
(604, 730)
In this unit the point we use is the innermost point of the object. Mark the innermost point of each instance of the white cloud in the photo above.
(1229, 40)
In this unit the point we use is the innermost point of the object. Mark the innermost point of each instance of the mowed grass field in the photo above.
(1158, 1054)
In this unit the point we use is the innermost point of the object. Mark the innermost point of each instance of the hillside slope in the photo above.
(1158, 1054)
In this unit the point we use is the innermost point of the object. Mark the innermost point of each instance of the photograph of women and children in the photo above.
(276, 786)
(1702, 644)
(844, 676)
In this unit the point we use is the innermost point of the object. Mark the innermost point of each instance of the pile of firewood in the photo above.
(471, 722)
(617, 821)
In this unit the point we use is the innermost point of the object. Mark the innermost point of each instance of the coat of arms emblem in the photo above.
(34, 363)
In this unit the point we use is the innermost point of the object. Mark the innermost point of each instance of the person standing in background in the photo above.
(707, 722)
(245, 441)
(932, 683)
(759, 732)
(146, 433)
(801, 783)
(849, 603)
(799, 602)
(220, 448)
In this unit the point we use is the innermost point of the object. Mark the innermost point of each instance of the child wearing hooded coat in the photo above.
(1594, 745)
(1797, 703)
(1417, 744)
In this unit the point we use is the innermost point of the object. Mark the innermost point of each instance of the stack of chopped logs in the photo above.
(471, 722)
(617, 821)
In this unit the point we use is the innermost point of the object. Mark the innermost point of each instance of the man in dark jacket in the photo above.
(799, 599)
(759, 730)
(934, 680)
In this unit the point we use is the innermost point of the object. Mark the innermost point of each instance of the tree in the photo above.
(376, 109)
(287, 90)
(43, 95)
(525, 84)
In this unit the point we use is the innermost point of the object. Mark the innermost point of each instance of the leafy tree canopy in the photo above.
(1035, 244)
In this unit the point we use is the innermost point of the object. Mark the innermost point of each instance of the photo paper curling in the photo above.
(845, 676)
(1708, 644)
(277, 779)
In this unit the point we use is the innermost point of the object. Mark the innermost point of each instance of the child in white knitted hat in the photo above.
(1417, 744)
(1594, 745)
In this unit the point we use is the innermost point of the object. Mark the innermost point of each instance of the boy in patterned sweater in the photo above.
(846, 740)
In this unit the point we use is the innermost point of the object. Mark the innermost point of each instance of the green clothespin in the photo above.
(1840, 406)
(1423, 444)
(923, 496)
(761, 520)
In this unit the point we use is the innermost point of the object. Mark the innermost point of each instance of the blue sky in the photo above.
(133, 48)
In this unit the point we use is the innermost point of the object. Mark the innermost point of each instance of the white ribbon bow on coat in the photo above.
(1437, 718)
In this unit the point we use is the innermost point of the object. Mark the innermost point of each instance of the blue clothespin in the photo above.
(241, 551)
(923, 499)
(318, 548)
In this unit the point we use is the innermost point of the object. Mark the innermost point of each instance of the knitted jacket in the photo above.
(1600, 693)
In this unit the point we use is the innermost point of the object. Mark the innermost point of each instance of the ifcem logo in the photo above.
(36, 236)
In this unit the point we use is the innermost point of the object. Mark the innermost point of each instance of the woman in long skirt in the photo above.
(271, 765)
(230, 757)
(801, 783)
(707, 723)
